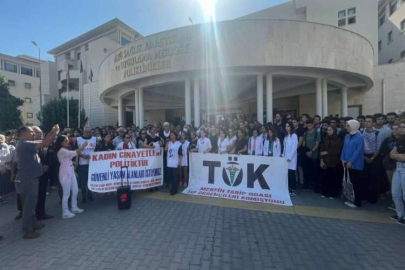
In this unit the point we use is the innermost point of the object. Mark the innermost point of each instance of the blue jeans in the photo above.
(83, 172)
(398, 189)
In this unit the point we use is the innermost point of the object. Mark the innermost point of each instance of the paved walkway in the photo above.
(187, 232)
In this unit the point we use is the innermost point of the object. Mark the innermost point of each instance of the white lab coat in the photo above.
(259, 146)
(290, 150)
(276, 148)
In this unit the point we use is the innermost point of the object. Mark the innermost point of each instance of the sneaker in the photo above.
(394, 217)
(401, 221)
(351, 205)
(19, 216)
(331, 198)
(293, 193)
(77, 211)
(31, 235)
(323, 196)
(68, 215)
(392, 207)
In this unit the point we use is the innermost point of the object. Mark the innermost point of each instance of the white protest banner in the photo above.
(145, 169)
(237, 177)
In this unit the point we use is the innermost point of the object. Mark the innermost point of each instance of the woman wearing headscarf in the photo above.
(331, 149)
(353, 160)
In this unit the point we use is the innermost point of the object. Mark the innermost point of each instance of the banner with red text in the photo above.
(145, 169)
(244, 178)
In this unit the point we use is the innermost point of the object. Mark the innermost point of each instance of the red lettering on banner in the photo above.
(104, 156)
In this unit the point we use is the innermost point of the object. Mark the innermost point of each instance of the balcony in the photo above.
(74, 74)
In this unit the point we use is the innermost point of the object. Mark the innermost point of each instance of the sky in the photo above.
(52, 22)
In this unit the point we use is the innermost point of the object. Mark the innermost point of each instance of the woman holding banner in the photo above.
(174, 158)
(255, 145)
(183, 174)
(223, 143)
(126, 144)
(272, 145)
(290, 153)
(241, 143)
(67, 175)
(203, 143)
(105, 144)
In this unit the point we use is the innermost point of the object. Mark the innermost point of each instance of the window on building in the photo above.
(86, 47)
(10, 67)
(342, 22)
(70, 67)
(59, 74)
(30, 115)
(27, 85)
(78, 56)
(394, 6)
(379, 45)
(11, 83)
(27, 100)
(390, 61)
(382, 20)
(342, 14)
(402, 54)
(37, 73)
(124, 40)
(351, 11)
(403, 25)
(351, 20)
(26, 71)
(390, 39)
(67, 56)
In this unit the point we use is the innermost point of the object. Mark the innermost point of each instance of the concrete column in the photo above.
(120, 111)
(324, 98)
(318, 84)
(136, 111)
(187, 96)
(344, 101)
(260, 98)
(197, 102)
(141, 111)
(269, 97)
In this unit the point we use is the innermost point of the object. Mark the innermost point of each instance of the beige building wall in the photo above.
(390, 51)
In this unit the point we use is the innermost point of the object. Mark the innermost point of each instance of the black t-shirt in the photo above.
(153, 140)
(214, 143)
(400, 144)
(240, 144)
(300, 131)
(102, 147)
(193, 144)
(387, 146)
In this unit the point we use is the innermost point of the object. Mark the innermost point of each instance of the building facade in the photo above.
(23, 73)
(304, 56)
(391, 31)
(82, 57)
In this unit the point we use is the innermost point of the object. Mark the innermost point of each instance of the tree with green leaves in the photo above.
(10, 115)
(55, 112)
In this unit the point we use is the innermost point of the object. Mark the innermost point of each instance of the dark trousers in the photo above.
(166, 176)
(311, 174)
(28, 189)
(292, 181)
(173, 175)
(371, 179)
(83, 171)
(331, 181)
(42, 188)
(356, 177)
(19, 202)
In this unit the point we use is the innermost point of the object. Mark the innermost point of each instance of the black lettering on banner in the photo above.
(256, 175)
(211, 165)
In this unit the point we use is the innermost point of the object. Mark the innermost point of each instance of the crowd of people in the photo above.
(369, 150)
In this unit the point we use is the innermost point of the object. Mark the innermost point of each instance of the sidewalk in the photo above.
(189, 232)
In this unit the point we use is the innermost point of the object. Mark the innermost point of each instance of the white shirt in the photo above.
(232, 142)
(184, 147)
(120, 146)
(91, 146)
(276, 148)
(223, 145)
(203, 144)
(173, 152)
(66, 169)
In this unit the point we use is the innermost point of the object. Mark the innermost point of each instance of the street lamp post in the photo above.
(40, 80)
